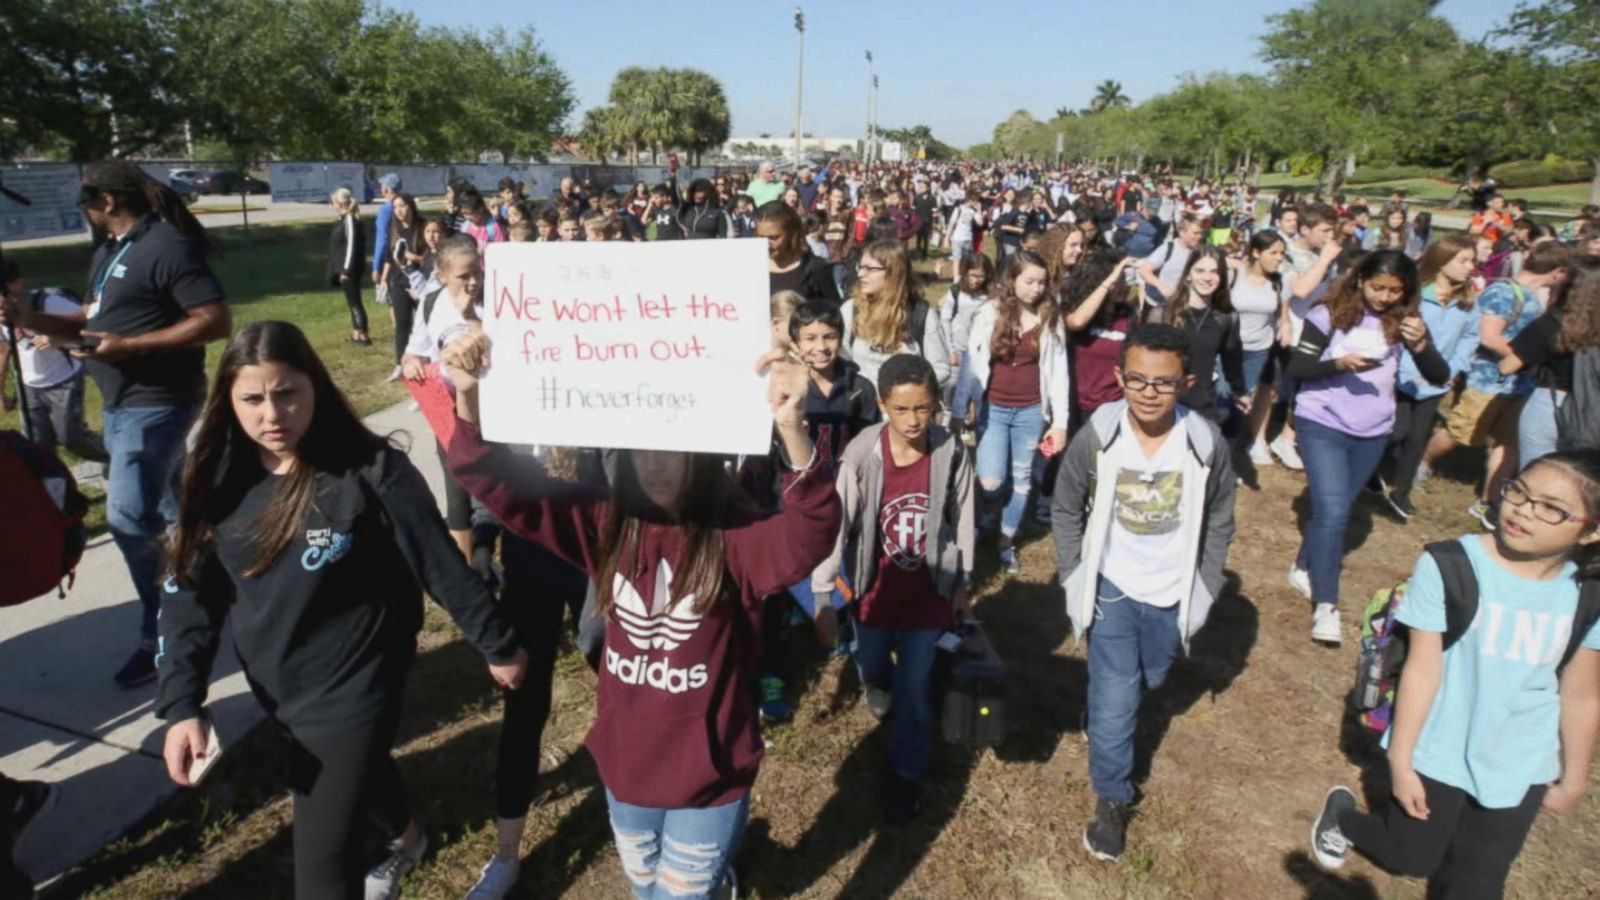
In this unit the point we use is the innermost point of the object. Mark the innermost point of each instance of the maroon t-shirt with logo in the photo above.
(902, 593)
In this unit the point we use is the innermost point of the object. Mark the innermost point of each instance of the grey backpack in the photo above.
(1578, 419)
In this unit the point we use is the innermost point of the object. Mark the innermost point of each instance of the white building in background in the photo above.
(782, 146)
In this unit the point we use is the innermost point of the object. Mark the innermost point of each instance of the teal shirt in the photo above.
(1494, 727)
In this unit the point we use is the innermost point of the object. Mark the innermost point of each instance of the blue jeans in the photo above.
(909, 678)
(1255, 363)
(1337, 467)
(1536, 426)
(146, 446)
(678, 853)
(1131, 648)
(1008, 441)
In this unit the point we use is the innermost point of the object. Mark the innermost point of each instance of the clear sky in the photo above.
(957, 66)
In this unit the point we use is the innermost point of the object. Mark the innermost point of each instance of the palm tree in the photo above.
(1063, 112)
(601, 135)
(1108, 94)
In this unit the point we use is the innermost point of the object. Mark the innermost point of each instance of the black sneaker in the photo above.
(878, 701)
(29, 800)
(1400, 505)
(1328, 843)
(1106, 835)
(900, 802)
(139, 669)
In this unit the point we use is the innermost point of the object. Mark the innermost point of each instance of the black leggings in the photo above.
(1481, 843)
(1413, 425)
(457, 502)
(540, 587)
(352, 299)
(339, 779)
(405, 309)
(923, 234)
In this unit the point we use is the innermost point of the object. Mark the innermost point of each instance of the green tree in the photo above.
(1566, 35)
(1008, 135)
(1344, 62)
(101, 77)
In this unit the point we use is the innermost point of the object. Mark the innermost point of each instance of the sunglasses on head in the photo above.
(87, 194)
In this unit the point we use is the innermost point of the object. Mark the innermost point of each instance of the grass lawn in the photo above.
(1564, 198)
(1250, 731)
(278, 275)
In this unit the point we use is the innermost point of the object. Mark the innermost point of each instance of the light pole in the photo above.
(877, 144)
(872, 85)
(799, 83)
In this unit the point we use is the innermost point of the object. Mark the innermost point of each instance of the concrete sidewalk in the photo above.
(62, 719)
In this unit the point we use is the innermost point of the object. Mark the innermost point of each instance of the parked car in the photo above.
(227, 182)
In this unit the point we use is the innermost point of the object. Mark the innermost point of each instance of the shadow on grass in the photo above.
(444, 684)
(1320, 884)
(1218, 655)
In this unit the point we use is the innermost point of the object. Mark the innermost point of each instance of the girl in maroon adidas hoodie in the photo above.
(680, 564)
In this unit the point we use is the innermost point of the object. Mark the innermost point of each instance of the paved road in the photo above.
(62, 720)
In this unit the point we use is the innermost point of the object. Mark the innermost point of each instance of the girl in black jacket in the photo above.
(791, 266)
(703, 215)
(1203, 309)
(316, 539)
(347, 252)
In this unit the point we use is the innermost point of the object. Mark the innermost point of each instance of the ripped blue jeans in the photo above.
(682, 854)
(1009, 463)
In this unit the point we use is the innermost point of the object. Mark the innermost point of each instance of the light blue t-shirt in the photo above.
(1500, 299)
(1495, 724)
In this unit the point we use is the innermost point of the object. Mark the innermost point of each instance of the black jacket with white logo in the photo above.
(327, 632)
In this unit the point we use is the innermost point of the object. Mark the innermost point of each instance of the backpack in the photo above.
(1384, 638)
(917, 323)
(41, 534)
(1578, 419)
(1151, 295)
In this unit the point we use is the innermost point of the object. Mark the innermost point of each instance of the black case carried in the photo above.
(973, 709)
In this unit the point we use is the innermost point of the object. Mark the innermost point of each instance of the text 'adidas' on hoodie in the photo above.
(676, 724)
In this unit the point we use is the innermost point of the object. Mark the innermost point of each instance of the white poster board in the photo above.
(52, 191)
(617, 344)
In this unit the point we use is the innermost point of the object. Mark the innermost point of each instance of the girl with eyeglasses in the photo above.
(1346, 363)
(885, 316)
(1494, 724)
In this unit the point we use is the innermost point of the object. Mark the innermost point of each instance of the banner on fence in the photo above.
(52, 191)
(646, 346)
(419, 181)
(312, 182)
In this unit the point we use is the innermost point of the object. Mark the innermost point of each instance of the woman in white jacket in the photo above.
(1016, 363)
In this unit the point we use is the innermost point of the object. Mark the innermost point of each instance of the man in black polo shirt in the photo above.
(153, 305)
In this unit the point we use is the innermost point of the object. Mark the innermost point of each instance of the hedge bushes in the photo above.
(1535, 172)
(1374, 174)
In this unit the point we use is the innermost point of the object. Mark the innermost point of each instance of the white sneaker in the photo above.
(1422, 475)
(1325, 624)
(1286, 453)
(497, 880)
(395, 375)
(1300, 580)
(383, 881)
(1260, 455)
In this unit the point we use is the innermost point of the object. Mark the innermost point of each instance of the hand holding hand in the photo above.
(467, 357)
(510, 675)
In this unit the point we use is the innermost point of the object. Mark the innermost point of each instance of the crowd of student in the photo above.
(1125, 353)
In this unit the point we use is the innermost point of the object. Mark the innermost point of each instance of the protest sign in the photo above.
(620, 344)
(52, 192)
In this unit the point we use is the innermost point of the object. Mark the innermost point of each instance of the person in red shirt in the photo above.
(906, 486)
(680, 563)
(1494, 222)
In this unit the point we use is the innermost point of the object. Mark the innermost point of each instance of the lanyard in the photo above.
(105, 273)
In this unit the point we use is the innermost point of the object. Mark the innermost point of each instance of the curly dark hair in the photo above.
(1579, 306)
(1094, 268)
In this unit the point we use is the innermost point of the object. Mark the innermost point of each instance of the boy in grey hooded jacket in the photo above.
(1142, 515)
